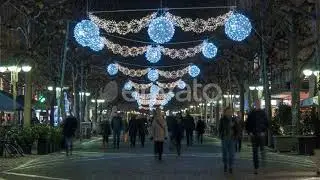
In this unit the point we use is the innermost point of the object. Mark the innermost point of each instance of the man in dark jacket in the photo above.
(189, 127)
(69, 128)
(142, 129)
(256, 126)
(117, 127)
(106, 131)
(133, 130)
(200, 128)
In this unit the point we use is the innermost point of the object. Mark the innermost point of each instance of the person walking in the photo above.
(116, 126)
(240, 134)
(142, 129)
(159, 133)
(106, 131)
(189, 126)
(170, 122)
(256, 126)
(228, 133)
(69, 128)
(133, 129)
(200, 128)
(178, 131)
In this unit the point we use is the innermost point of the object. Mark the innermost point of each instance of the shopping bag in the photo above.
(125, 137)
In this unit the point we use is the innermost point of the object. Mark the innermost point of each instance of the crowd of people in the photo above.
(175, 128)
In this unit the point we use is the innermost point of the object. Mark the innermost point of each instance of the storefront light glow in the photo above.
(238, 27)
(112, 69)
(161, 30)
(153, 54)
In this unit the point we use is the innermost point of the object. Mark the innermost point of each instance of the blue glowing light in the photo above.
(209, 50)
(135, 95)
(96, 44)
(153, 75)
(161, 30)
(181, 84)
(238, 27)
(194, 71)
(170, 95)
(128, 86)
(112, 69)
(154, 89)
(85, 31)
(153, 54)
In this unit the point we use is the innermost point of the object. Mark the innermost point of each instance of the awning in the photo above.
(313, 101)
(6, 102)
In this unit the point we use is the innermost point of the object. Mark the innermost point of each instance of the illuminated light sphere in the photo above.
(96, 43)
(154, 89)
(170, 95)
(85, 31)
(161, 30)
(238, 27)
(128, 86)
(153, 75)
(135, 95)
(209, 50)
(194, 71)
(112, 69)
(181, 84)
(153, 54)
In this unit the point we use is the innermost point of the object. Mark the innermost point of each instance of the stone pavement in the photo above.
(199, 162)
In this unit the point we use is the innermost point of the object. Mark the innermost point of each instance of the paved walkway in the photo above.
(199, 162)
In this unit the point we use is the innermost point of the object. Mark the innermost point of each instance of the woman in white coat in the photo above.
(159, 132)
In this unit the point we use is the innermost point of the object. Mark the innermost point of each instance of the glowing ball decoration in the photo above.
(85, 31)
(161, 30)
(238, 27)
(194, 71)
(128, 86)
(96, 44)
(112, 69)
(153, 75)
(209, 50)
(154, 89)
(135, 95)
(153, 54)
(181, 84)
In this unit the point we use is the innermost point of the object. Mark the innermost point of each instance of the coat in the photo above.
(228, 127)
(133, 127)
(159, 129)
(189, 123)
(201, 125)
(257, 122)
(116, 124)
(70, 126)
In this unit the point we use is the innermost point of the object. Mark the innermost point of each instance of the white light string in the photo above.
(136, 25)
(122, 27)
(139, 86)
(126, 51)
(141, 72)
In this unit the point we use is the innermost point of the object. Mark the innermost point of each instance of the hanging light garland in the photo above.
(168, 85)
(154, 56)
(136, 25)
(123, 27)
(238, 27)
(139, 86)
(153, 74)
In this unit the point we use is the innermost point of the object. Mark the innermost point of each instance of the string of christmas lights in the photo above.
(122, 27)
(153, 74)
(173, 53)
(130, 84)
(136, 25)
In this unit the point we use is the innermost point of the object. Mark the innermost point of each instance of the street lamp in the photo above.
(307, 72)
(50, 88)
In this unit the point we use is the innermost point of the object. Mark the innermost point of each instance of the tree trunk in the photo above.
(295, 74)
